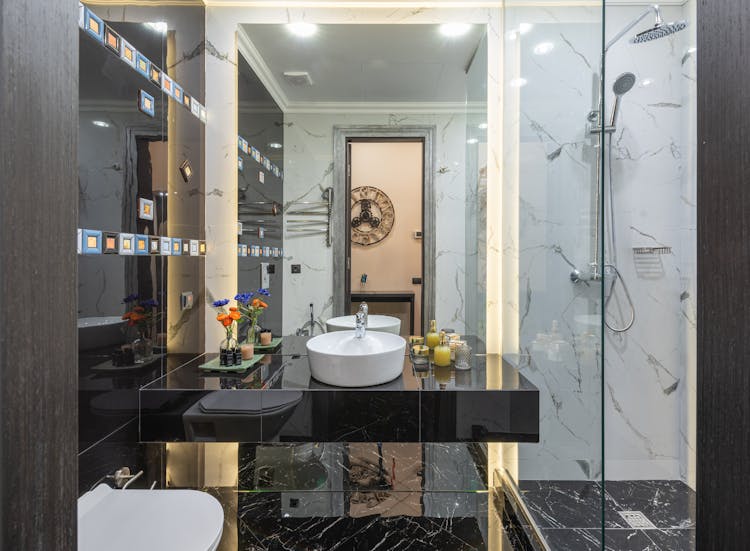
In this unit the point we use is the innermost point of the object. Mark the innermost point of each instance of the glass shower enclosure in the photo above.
(598, 254)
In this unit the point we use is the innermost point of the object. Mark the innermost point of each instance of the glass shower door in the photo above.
(551, 263)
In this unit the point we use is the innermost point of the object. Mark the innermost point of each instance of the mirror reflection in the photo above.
(380, 134)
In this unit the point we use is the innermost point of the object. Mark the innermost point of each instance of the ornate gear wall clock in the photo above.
(372, 215)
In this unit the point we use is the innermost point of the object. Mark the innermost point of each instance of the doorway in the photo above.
(385, 182)
(386, 252)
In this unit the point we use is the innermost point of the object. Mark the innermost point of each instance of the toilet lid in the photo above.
(238, 401)
(148, 520)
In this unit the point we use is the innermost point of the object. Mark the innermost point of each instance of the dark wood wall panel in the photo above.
(38, 211)
(723, 275)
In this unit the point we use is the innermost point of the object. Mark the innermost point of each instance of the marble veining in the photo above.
(569, 514)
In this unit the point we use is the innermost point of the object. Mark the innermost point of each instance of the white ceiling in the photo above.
(367, 63)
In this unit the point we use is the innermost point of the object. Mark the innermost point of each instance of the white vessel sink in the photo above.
(341, 359)
(375, 322)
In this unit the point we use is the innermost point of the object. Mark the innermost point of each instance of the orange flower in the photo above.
(227, 322)
(256, 302)
(127, 315)
(233, 309)
(221, 317)
(235, 315)
(139, 309)
(263, 304)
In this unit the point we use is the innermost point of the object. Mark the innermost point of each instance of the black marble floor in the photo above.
(570, 514)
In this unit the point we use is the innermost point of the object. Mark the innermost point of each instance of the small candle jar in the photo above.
(265, 338)
(419, 355)
(248, 350)
(463, 356)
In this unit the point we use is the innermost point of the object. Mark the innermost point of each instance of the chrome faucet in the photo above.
(360, 327)
(365, 310)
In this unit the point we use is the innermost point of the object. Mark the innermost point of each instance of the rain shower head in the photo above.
(660, 30)
(623, 84)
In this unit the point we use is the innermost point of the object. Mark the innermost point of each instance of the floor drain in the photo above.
(636, 519)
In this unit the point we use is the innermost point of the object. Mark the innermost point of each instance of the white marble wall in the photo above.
(308, 169)
(551, 176)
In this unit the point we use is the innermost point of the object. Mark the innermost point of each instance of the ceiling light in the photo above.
(472, 141)
(518, 82)
(482, 126)
(647, 82)
(454, 29)
(158, 26)
(523, 28)
(275, 145)
(543, 48)
(101, 124)
(300, 28)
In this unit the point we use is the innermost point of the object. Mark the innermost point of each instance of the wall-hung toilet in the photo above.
(148, 520)
(236, 415)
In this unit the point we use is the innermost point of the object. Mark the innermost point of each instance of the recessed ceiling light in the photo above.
(472, 141)
(523, 28)
(158, 26)
(454, 29)
(518, 82)
(543, 48)
(275, 145)
(101, 124)
(300, 28)
(647, 82)
(482, 126)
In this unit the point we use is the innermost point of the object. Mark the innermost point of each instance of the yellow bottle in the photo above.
(442, 352)
(432, 339)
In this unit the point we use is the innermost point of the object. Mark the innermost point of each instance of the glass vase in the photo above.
(143, 349)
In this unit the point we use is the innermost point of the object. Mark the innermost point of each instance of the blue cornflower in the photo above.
(220, 303)
(264, 292)
(130, 298)
(243, 298)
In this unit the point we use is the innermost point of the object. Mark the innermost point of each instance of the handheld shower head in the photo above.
(623, 84)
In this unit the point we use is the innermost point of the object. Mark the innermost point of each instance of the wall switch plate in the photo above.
(262, 177)
(265, 280)
(416, 281)
(186, 300)
(296, 268)
(417, 234)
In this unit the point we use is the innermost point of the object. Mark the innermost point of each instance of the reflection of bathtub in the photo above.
(97, 332)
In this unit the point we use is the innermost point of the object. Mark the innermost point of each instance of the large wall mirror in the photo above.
(140, 215)
(383, 126)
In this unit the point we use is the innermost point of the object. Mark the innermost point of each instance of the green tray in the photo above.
(275, 342)
(215, 365)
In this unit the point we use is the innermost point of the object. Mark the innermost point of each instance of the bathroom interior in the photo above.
(522, 174)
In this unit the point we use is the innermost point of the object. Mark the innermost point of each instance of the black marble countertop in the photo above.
(280, 401)
(291, 371)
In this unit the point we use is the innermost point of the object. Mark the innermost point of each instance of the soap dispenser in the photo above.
(442, 353)
(432, 339)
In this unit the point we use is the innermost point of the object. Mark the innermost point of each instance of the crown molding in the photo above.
(380, 108)
(262, 71)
